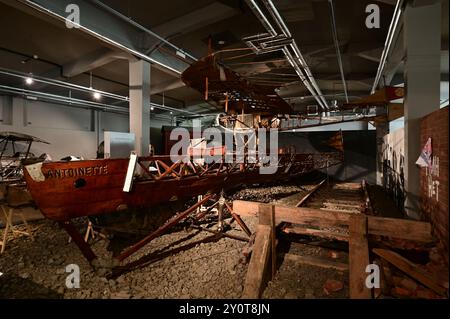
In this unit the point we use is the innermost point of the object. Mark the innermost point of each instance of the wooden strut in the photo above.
(410, 269)
(131, 250)
(239, 220)
(78, 240)
(382, 226)
(358, 257)
(264, 246)
(360, 227)
(367, 203)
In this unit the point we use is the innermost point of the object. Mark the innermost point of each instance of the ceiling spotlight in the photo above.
(152, 108)
(29, 80)
(171, 112)
(97, 95)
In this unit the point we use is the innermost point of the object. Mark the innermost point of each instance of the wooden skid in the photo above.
(254, 280)
(391, 227)
(316, 232)
(410, 269)
(358, 257)
(315, 261)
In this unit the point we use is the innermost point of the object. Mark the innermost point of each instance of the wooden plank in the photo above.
(305, 198)
(339, 201)
(400, 228)
(358, 257)
(316, 232)
(391, 227)
(265, 214)
(367, 203)
(341, 209)
(410, 269)
(316, 261)
(330, 204)
(78, 240)
(395, 111)
(387, 283)
(273, 241)
(294, 215)
(254, 280)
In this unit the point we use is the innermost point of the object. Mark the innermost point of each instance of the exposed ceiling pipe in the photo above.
(142, 28)
(298, 62)
(308, 73)
(338, 51)
(301, 75)
(388, 43)
(277, 18)
(299, 57)
(262, 18)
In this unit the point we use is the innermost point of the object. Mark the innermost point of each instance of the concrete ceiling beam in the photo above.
(111, 29)
(93, 60)
(195, 20)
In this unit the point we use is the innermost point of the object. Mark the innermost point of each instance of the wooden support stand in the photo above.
(391, 227)
(9, 227)
(359, 226)
(410, 269)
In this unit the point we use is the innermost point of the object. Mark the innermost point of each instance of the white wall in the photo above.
(346, 126)
(71, 131)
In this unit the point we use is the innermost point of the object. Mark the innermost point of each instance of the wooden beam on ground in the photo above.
(316, 232)
(254, 280)
(358, 257)
(312, 191)
(391, 227)
(273, 242)
(400, 228)
(78, 240)
(316, 261)
(294, 215)
(410, 269)
(367, 203)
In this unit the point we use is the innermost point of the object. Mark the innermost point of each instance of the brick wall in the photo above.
(434, 181)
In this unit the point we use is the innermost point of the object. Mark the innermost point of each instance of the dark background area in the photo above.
(359, 152)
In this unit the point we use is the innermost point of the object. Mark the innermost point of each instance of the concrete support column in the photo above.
(382, 129)
(140, 105)
(422, 39)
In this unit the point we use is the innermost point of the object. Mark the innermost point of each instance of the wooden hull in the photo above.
(61, 197)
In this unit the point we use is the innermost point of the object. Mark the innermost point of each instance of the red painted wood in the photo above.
(59, 198)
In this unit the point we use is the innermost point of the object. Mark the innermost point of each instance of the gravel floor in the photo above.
(209, 267)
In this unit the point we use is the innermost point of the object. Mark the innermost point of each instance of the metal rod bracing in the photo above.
(338, 51)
